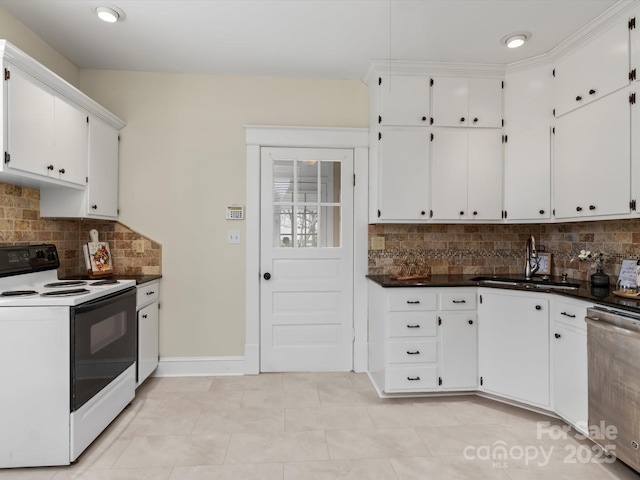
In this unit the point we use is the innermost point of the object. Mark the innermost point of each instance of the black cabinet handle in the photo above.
(61, 171)
(462, 119)
(49, 167)
(592, 92)
(94, 207)
(578, 209)
(541, 212)
(538, 307)
(144, 316)
(470, 322)
(417, 352)
(557, 335)
(567, 315)
(413, 379)
(459, 301)
(151, 292)
(475, 120)
(578, 98)
(592, 207)
(413, 326)
(267, 276)
(413, 302)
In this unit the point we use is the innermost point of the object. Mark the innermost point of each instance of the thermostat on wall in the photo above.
(235, 212)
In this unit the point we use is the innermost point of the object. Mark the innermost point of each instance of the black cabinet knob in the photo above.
(423, 212)
(538, 307)
(592, 207)
(578, 98)
(144, 316)
(461, 212)
(267, 276)
(578, 209)
(95, 207)
(475, 120)
(61, 170)
(470, 322)
(424, 119)
(462, 119)
(541, 212)
(475, 212)
(49, 167)
(592, 92)
(557, 335)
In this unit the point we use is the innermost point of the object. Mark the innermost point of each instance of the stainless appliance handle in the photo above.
(597, 323)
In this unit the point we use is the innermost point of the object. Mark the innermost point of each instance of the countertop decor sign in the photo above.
(97, 256)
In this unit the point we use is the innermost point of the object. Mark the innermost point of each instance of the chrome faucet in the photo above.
(531, 256)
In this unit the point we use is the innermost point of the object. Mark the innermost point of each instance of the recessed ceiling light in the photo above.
(110, 14)
(515, 40)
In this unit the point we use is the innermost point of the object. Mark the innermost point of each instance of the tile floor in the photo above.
(323, 426)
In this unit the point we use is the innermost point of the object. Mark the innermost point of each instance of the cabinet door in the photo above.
(570, 385)
(30, 131)
(403, 188)
(71, 138)
(102, 189)
(528, 99)
(513, 345)
(593, 70)
(451, 102)
(485, 102)
(147, 341)
(592, 159)
(449, 180)
(485, 175)
(404, 100)
(459, 351)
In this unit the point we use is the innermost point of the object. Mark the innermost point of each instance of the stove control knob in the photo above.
(51, 256)
(40, 254)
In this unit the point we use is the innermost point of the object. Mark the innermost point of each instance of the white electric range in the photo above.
(67, 357)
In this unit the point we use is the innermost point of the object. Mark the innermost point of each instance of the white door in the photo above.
(306, 294)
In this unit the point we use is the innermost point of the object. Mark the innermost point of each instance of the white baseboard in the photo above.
(199, 366)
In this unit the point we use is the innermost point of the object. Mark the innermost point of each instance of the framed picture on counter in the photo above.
(545, 263)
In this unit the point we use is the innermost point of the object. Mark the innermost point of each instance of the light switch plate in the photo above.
(377, 243)
(233, 237)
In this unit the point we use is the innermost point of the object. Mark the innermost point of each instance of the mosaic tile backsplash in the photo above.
(20, 223)
(500, 249)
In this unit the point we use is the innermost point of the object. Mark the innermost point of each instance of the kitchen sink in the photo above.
(534, 283)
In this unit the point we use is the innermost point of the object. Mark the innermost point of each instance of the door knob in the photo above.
(267, 276)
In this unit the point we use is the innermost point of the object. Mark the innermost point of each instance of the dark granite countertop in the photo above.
(140, 279)
(586, 291)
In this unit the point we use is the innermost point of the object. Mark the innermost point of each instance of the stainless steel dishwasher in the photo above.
(613, 343)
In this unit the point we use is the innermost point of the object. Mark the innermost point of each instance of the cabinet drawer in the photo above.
(413, 351)
(463, 300)
(569, 313)
(146, 294)
(412, 300)
(413, 324)
(412, 378)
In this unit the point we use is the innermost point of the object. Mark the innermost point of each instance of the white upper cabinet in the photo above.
(71, 142)
(404, 100)
(528, 121)
(592, 159)
(594, 69)
(467, 102)
(467, 174)
(403, 166)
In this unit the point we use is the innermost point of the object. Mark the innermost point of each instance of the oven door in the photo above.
(103, 343)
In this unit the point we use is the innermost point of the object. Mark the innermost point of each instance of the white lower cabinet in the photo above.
(147, 306)
(513, 345)
(422, 339)
(569, 362)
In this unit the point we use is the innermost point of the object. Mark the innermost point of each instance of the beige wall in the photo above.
(18, 34)
(182, 159)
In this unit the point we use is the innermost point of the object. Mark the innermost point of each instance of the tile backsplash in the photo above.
(20, 223)
(500, 249)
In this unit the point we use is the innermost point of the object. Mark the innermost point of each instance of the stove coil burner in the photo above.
(18, 293)
(70, 283)
(110, 281)
(65, 293)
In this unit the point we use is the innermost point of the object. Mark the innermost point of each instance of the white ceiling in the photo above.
(302, 38)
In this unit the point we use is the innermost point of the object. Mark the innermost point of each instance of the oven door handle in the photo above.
(103, 301)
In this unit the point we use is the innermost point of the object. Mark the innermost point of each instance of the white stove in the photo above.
(67, 357)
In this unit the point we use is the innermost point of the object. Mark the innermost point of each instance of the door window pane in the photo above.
(330, 220)
(282, 181)
(307, 226)
(284, 224)
(330, 183)
(307, 177)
